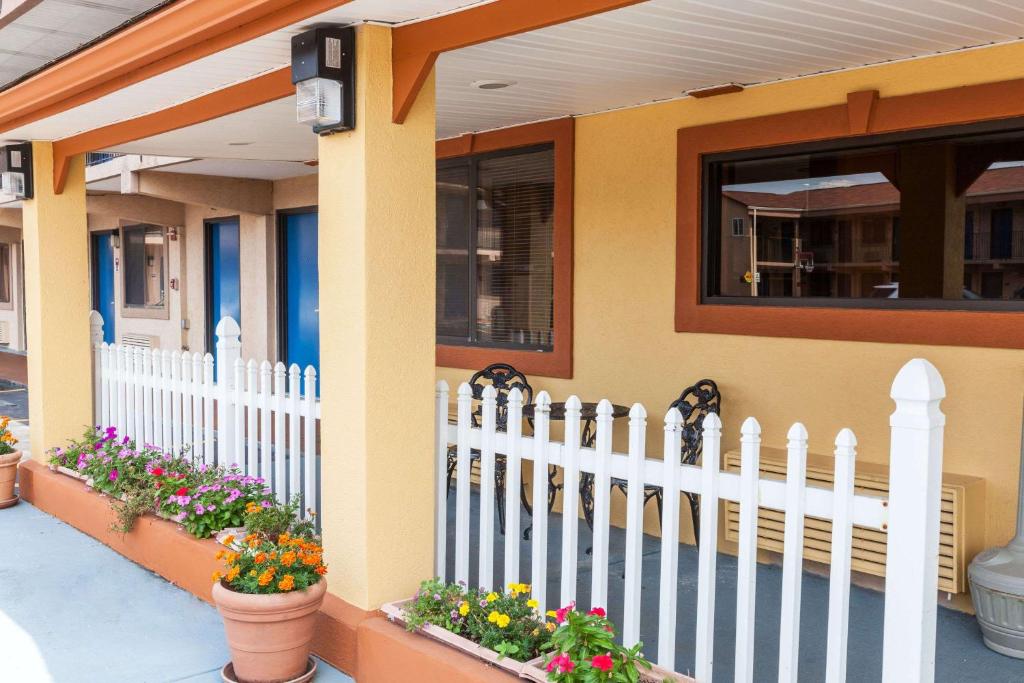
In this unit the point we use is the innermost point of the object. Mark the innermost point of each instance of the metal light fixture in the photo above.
(323, 71)
(16, 170)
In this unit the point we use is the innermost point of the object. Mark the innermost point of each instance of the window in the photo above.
(504, 249)
(5, 275)
(910, 223)
(143, 252)
(739, 227)
(495, 249)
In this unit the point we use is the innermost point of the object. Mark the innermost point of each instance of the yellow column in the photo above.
(377, 338)
(57, 305)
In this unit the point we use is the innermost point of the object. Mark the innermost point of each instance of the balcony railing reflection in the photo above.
(1005, 246)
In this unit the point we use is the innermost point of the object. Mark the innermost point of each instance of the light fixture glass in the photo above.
(492, 85)
(318, 102)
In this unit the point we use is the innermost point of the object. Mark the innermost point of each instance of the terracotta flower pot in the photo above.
(269, 635)
(8, 473)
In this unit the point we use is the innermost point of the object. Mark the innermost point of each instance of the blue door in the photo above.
(224, 289)
(103, 282)
(302, 290)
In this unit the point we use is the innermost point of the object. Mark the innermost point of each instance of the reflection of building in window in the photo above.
(143, 253)
(5, 273)
(504, 294)
(839, 236)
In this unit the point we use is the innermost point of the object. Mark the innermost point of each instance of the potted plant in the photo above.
(501, 627)
(583, 649)
(9, 459)
(269, 596)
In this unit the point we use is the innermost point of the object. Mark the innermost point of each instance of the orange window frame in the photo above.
(558, 361)
(864, 113)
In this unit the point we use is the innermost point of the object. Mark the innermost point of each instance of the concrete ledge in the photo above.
(185, 561)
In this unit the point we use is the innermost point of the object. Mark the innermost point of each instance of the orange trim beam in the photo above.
(181, 33)
(254, 92)
(415, 47)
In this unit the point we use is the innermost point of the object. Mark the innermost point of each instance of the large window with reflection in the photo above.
(495, 258)
(928, 222)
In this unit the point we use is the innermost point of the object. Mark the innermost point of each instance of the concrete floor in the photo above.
(74, 611)
(961, 655)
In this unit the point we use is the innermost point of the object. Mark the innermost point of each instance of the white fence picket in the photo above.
(196, 392)
(146, 384)
(294, 430)
(488, 423)
(746, 571)
(570, 499)
(266, 420)
(105, 390)
(209, 392)
(178, 420)
(793, 555)
(279, 456)
(707, 557)
(462, 473)
(602, 503)
(839, 574)
(167, 400)
(309, 486)
(238, 419)
(252, 454)
(513, 485)
(669, 541)
(539, 538)
(634, 526)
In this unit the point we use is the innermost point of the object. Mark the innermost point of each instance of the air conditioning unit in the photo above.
(16, 170)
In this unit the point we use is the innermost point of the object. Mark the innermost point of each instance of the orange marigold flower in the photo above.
(287, 583)
(310, 560)
(233, 573)
(273, 555)
(321, 570)
(220, 554)
(229, 539)
(260, 558)
(266, 577)
(216, 577)
(283, 538)
(288, 558)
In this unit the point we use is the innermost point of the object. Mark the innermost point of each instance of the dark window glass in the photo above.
(928, 223)
(143, 253)
(504, 294)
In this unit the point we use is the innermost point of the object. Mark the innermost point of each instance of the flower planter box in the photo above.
(534, 671)
(394, 612)
(71, 473)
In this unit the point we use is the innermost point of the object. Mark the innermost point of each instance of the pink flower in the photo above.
(602, 662)
(113, 475)
(562, 662)
(560, 613)
(597, 612)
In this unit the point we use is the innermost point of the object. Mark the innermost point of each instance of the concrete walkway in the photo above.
(74, 611)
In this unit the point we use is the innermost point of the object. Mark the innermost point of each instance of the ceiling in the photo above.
(51, 29)
(652, 51)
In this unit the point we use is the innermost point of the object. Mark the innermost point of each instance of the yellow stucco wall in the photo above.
(625, 346)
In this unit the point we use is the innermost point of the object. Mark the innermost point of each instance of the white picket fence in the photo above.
(910, 516)
(263, 418)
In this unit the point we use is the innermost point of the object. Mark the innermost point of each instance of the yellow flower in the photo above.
(550, 626)
(220, 554)
(493, 617)
(229, 539)
(503, 620)
(552, 613)
(233, 573)
(464, 608)
(491, 597)
(532, 603)
(216, 577)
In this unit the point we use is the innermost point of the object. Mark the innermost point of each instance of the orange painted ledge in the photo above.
(363, 644)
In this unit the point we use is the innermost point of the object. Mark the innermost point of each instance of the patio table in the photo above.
(588, 435)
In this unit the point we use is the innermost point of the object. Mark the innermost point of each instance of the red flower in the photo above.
(182, 491)
(157, 472)
(562, 662)
(560, 613)
(597, 612)
(602, 662)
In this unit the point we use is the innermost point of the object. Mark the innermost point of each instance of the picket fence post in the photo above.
(912, 548)
(96, 339)
(229, 349)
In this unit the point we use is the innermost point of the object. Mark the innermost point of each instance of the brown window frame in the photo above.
(558, 361)
(864, 113)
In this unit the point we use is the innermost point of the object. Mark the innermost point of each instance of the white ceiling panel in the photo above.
(240, 168)
(659, 49)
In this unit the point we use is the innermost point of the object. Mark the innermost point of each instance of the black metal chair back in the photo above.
(694, 404)
(504, 378)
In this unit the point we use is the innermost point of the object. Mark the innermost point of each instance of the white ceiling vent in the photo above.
(144, 341)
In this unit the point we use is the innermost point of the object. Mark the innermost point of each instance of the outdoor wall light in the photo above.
(16, 170)
(323, 71)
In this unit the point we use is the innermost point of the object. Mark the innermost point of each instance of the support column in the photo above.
(57, 305)
(931, 224)
(376, 255)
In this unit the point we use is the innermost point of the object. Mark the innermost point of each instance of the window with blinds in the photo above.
(495, 242)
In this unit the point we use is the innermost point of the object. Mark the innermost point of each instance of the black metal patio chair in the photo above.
(694, 404)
